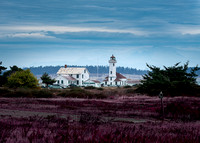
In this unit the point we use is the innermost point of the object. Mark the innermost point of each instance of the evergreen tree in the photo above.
(2, 79)
(6, 74)
(175, 80)
(46, 79)
(2, 68)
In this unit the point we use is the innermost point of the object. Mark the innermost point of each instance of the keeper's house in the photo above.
(71, 76)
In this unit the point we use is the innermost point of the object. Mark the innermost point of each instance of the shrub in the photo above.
(130, 91)
(4, 91)
(43, 93)
(90, 87)
(127, 86)
(100, 88)
(81, 93)
(19, 92)
(26, 92)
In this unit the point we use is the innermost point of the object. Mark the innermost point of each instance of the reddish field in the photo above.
(122, 119)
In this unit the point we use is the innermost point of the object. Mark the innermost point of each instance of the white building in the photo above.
(71, 75)
(114, 78)
(94, 83)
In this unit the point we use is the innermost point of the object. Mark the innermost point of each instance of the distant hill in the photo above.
(92, 69)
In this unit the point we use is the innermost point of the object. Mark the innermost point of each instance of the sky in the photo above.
(88, 32)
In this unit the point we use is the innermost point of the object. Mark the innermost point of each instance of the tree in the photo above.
(46, 79)
(2, 68)
(175, 80)
(6, 74)
(2, 79)
(22, 78)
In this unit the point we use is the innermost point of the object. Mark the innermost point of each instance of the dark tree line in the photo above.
(92, 69)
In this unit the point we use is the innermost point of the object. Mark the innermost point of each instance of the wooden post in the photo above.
(161, 101)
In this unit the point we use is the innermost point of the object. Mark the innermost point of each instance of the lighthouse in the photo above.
(114, 78)
(112, 70)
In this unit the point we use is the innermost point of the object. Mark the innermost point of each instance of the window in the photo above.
(113, 64)
(110, 72)
(82, 75)
(105, 83)
(116, 83)
(84, 71)
(58, 81)
(77, 82)
(77, 76)
(61, 81)
(111, 83)
(68, 82)
(110, 78)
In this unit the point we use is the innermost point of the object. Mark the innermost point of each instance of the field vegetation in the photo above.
(115, 117)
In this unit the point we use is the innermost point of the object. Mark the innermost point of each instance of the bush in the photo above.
(26, 92)
(130, 91)
(127, 86)
(89, 87)
(19, 92)
(43, 93)
(81, 93)
(100, 88)
(4, 91)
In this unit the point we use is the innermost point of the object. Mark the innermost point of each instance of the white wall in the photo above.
(65, 81)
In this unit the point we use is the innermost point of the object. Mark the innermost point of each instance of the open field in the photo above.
(121, 119)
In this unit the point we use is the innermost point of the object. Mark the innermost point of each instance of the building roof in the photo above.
(96, 81)
(118, 77)
(68, 77)
(133, 81)
(71, 70)
(91, 81)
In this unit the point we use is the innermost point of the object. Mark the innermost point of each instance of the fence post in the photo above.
(161, 101)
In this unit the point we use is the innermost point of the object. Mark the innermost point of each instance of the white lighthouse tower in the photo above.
(112, 71)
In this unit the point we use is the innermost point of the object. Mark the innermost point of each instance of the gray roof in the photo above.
(71, 70)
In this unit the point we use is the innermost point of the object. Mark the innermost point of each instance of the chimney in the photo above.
(65, 66)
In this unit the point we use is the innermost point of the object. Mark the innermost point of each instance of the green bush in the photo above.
(127, 86)
(43, 93)
(80, 93)
(89, 87)
(100, 88)
(19, 92)
(4, 91)
(26, 92)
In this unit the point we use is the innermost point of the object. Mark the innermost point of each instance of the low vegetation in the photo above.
(135, 119)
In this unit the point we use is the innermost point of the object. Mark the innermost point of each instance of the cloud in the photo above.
(28, 35)
(66, 29)
(192, 30)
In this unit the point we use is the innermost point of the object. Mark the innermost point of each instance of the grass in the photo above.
(117, 115)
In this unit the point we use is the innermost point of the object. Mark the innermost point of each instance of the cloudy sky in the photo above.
(88, 32)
